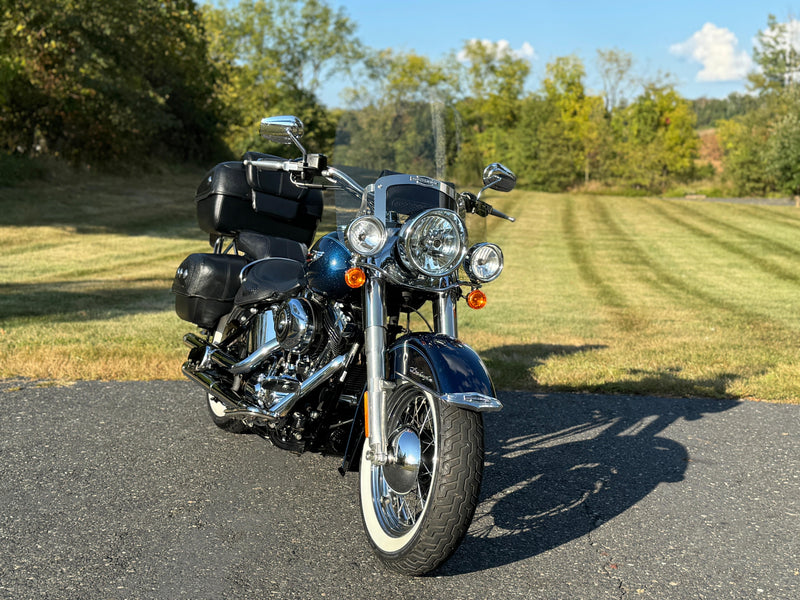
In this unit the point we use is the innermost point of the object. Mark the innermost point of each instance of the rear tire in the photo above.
(416, 529)
(216, 409)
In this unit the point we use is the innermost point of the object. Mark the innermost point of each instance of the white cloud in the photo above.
(501, 48)
(716, 49)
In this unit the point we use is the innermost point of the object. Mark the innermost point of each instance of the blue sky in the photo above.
(705, 45)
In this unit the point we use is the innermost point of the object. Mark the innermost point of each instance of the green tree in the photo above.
(762, 147)
(782, 154)
(492, 82)
(777, 56)
(582, 115)
(743, 140)
(274, 55)
(656, 138)
(614, 66)
(95, 81)
(540, 152)
(406, 77)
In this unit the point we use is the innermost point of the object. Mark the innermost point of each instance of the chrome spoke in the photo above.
(399, 513)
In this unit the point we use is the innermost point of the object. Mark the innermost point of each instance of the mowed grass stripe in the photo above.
(679, 288)
(600, 293)
(620, 261)
(714, 232)
(582, 233)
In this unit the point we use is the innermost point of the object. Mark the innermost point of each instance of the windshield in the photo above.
(386, 139)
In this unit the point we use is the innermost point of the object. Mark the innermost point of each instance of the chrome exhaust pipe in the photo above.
(284, 405)
(234, 405)
(225, 360)
(238, 406)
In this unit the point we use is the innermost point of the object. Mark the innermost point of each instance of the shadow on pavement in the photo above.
(558, 466)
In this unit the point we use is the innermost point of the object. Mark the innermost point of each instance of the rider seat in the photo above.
(270, 280)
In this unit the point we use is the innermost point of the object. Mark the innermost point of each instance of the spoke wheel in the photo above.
(417, 508)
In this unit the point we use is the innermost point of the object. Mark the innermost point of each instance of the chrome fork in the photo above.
(375, 350)
(444, 314)
(445, 321)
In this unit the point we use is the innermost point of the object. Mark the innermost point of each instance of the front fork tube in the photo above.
(375, 350)
(444, 314)
(445, 321)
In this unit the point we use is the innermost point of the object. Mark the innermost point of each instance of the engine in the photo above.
(309, 332)
(310, 335)
(296, 326)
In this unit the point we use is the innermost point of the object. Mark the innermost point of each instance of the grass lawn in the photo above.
(601, 294)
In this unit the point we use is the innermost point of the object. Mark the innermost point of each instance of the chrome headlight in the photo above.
(433, 242)
(366, 235)
(484, 262)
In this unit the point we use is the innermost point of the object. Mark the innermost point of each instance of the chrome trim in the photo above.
(223, 359)
(498, 177)
(343, 180)
(405, 282)
(407, 257)
(284, 405)
(468, 262)
(383, 233)
(295, 325)
(239, 407)
(235, 406)
(473, 401)
(469, 400)
(375, 347)
(256, 358)
(212, 354)
(286, 129)
(445, 319)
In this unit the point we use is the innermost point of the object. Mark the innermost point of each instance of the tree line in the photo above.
(94, 82)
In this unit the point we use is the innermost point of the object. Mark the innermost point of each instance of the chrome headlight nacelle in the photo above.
(433, 242)
(484, 262)
(366, 235)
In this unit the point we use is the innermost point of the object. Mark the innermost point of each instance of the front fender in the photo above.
(446, 367)
(438, 364)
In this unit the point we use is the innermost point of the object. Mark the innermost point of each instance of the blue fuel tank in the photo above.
(325, 275)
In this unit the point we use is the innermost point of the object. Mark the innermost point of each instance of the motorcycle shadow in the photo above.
(558, 466)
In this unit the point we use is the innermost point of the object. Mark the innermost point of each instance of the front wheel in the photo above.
(417, 508)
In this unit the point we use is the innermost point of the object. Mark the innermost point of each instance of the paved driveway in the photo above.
(126, 490)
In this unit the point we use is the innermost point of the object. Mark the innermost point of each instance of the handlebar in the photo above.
(317, 166)
(477, 206)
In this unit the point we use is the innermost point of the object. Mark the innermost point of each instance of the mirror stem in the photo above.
(297, 143)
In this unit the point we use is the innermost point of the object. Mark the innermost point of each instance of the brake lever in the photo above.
(481, 208)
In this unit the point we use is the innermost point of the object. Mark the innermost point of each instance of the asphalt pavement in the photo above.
(127, 491)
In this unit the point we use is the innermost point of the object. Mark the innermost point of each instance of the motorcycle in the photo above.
(314, 349)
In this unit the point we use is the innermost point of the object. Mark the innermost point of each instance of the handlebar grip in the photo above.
(496, 213)
(268, 164)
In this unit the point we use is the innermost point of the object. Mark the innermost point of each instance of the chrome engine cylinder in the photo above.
(295, 325)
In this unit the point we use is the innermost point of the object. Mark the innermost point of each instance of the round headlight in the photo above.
(484, 262)
(366, 236)
(433, 242)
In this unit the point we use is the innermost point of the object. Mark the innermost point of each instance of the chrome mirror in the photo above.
(499, 178)
(282, 130)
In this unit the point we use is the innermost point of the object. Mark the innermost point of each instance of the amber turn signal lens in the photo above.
(476, 299)
(355, 277)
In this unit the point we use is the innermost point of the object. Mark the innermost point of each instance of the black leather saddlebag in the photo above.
(205, 286)
(234, 198)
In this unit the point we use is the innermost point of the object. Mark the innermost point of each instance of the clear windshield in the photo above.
(412, 137)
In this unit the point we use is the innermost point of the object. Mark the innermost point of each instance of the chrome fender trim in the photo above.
(470, 400)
